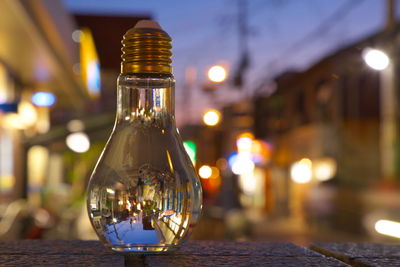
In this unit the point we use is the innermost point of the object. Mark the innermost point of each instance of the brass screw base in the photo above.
(146, 50)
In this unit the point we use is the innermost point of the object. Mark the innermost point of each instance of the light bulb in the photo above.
(144, 194)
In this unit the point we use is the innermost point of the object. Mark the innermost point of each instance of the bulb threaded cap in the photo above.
(146, 48)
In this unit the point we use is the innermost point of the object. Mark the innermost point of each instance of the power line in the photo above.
(316, 33)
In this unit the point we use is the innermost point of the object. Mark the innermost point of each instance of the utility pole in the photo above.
(186, 100)
(243, 33)
(390, 15)
(388, 98)
(242, 26)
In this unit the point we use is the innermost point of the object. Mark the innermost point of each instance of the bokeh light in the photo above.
(222, 163)
(27, 113)
(301, 171)
(324, 169)
(217, 74)
(214, 173)
(205, 171)
(242, 165)
(376, 59)
(43, 99)
(244, 144)
(78, 142)
(76, 36)
(387, 227)
(75, 126)
(211, 117)
(13, 121)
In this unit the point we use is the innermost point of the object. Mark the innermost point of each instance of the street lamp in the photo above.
(217, 74)
(379, 60)
(376, 59)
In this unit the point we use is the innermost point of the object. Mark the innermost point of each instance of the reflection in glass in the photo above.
(144, 194)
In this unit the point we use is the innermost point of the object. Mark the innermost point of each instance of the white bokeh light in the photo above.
(76, 36)
(217, 74)
(242, 165)
(205, 171)
(376, 59)
(301, 171)
(244, 144)
(211, 117)
(78, 142)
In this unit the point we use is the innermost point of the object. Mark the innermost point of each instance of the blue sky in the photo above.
(205, 33)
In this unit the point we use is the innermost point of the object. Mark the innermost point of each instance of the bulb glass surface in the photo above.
(144, 194)
(191, 149)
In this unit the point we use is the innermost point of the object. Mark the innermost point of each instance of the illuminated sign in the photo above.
(90, 66)
(9, 107)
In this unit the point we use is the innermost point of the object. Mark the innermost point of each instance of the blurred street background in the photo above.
(289, 110)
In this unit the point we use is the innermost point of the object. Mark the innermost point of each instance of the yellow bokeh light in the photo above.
(214, 173)
(246, 134)
(205, 171)
(301, 171)
(324, 169)
(26, 117)
(211, 117)
(27, 113)
(217, 74)
(387, 227)
(13, 121)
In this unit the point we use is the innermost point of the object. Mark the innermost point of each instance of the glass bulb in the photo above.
(144, 194)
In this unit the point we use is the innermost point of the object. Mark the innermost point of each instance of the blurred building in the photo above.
(327, 117)
(36, 56)
(56, 71)
(107, 33)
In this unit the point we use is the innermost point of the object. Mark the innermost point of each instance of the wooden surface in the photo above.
(361, 254)
(57, 253)
(202, 253)
(212, 253)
